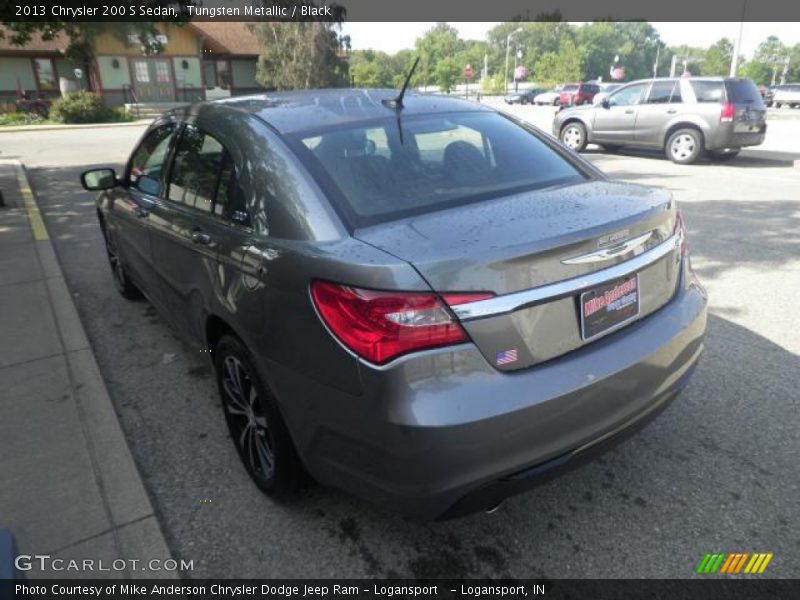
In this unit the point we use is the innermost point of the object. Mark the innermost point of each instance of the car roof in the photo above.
(294, 111)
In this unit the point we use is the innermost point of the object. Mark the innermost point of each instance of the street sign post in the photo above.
(469, 73)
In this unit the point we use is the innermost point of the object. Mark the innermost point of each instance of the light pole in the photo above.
(505, 75)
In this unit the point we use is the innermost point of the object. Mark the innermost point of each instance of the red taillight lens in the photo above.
(380, 326)
(727, 113)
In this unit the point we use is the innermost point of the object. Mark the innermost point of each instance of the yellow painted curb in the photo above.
(28, 201)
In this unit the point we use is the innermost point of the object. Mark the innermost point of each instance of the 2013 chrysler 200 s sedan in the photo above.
(428, 304)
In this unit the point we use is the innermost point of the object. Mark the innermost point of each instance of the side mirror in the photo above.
(605, 103)
(601, 99)
(98, 179)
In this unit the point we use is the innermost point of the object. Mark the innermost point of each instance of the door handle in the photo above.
(629, 111)
(200, 237)
(671, 111)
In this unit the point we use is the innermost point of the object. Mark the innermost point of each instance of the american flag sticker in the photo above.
(505, 357)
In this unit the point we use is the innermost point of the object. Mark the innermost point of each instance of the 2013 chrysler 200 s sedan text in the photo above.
(423, 302)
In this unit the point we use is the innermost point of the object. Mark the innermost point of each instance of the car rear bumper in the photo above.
(443, 433)
(736, 136)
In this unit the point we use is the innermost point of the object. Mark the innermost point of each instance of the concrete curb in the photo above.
(22, 128)
(135, 528)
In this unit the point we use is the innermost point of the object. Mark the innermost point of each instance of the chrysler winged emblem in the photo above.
(610, 252)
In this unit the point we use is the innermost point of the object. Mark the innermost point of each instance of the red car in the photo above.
(578, 93)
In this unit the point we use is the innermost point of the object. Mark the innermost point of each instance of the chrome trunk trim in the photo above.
(508, 303)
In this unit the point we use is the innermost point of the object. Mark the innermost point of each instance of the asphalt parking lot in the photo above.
(716, 472)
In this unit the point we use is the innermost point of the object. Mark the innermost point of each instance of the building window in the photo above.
(45, 74)
(223, 74)
(142, 73)
(162, 72)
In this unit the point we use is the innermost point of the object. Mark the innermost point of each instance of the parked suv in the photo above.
(575, 94)
(346, 260)
(684, 117)
(787, 94)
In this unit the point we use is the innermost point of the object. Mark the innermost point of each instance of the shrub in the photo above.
(20, 118)
(81, 107)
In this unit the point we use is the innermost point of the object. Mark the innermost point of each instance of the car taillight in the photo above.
(727, 113)
(381, 325)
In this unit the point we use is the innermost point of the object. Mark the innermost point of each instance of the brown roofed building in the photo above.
(198, 61)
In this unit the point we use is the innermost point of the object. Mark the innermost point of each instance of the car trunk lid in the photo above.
(529, 241)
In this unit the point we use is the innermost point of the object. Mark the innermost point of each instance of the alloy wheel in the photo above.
(247, 420)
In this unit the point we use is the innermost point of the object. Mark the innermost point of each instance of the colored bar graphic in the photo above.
(727, 564)
(702, 566)
(734, 563)
(764, 564)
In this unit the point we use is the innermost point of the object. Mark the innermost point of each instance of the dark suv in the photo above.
(684, 117)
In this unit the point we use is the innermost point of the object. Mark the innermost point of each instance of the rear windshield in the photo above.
(387, 169)
(569, 88)
(743, 91)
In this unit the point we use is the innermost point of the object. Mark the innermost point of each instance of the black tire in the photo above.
(122, 281)
(573, 135)
(723, 156)
(612, 148)
(778, 105)
(684, 146)
(255, 422)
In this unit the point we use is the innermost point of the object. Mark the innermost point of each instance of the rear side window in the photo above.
(743, 91)
(709, 91)
(664, 92)
(417, 164)
(570, 88)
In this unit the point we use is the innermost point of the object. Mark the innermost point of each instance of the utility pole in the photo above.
(505, 75)
(737, 47)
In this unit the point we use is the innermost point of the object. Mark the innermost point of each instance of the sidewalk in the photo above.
(70, 488)
(57, 127)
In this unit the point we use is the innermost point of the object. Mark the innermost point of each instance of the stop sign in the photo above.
(469, 72)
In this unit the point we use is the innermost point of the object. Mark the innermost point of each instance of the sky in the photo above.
(391, 37)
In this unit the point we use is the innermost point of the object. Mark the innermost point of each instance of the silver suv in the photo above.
(787, 94)
(684, 117)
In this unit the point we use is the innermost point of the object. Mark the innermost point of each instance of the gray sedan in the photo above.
(426, 303)
(684, 117)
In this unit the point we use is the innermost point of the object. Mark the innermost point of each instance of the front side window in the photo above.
(45, 74)
(419, 164)
(628, 95)
(147, 163)
(196, 169)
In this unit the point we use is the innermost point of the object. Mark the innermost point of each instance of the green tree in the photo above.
(448, 74)
(535, 39)
(563, 66)
(718, 58)
(437, 44)
(300, 55)
(374, 69)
